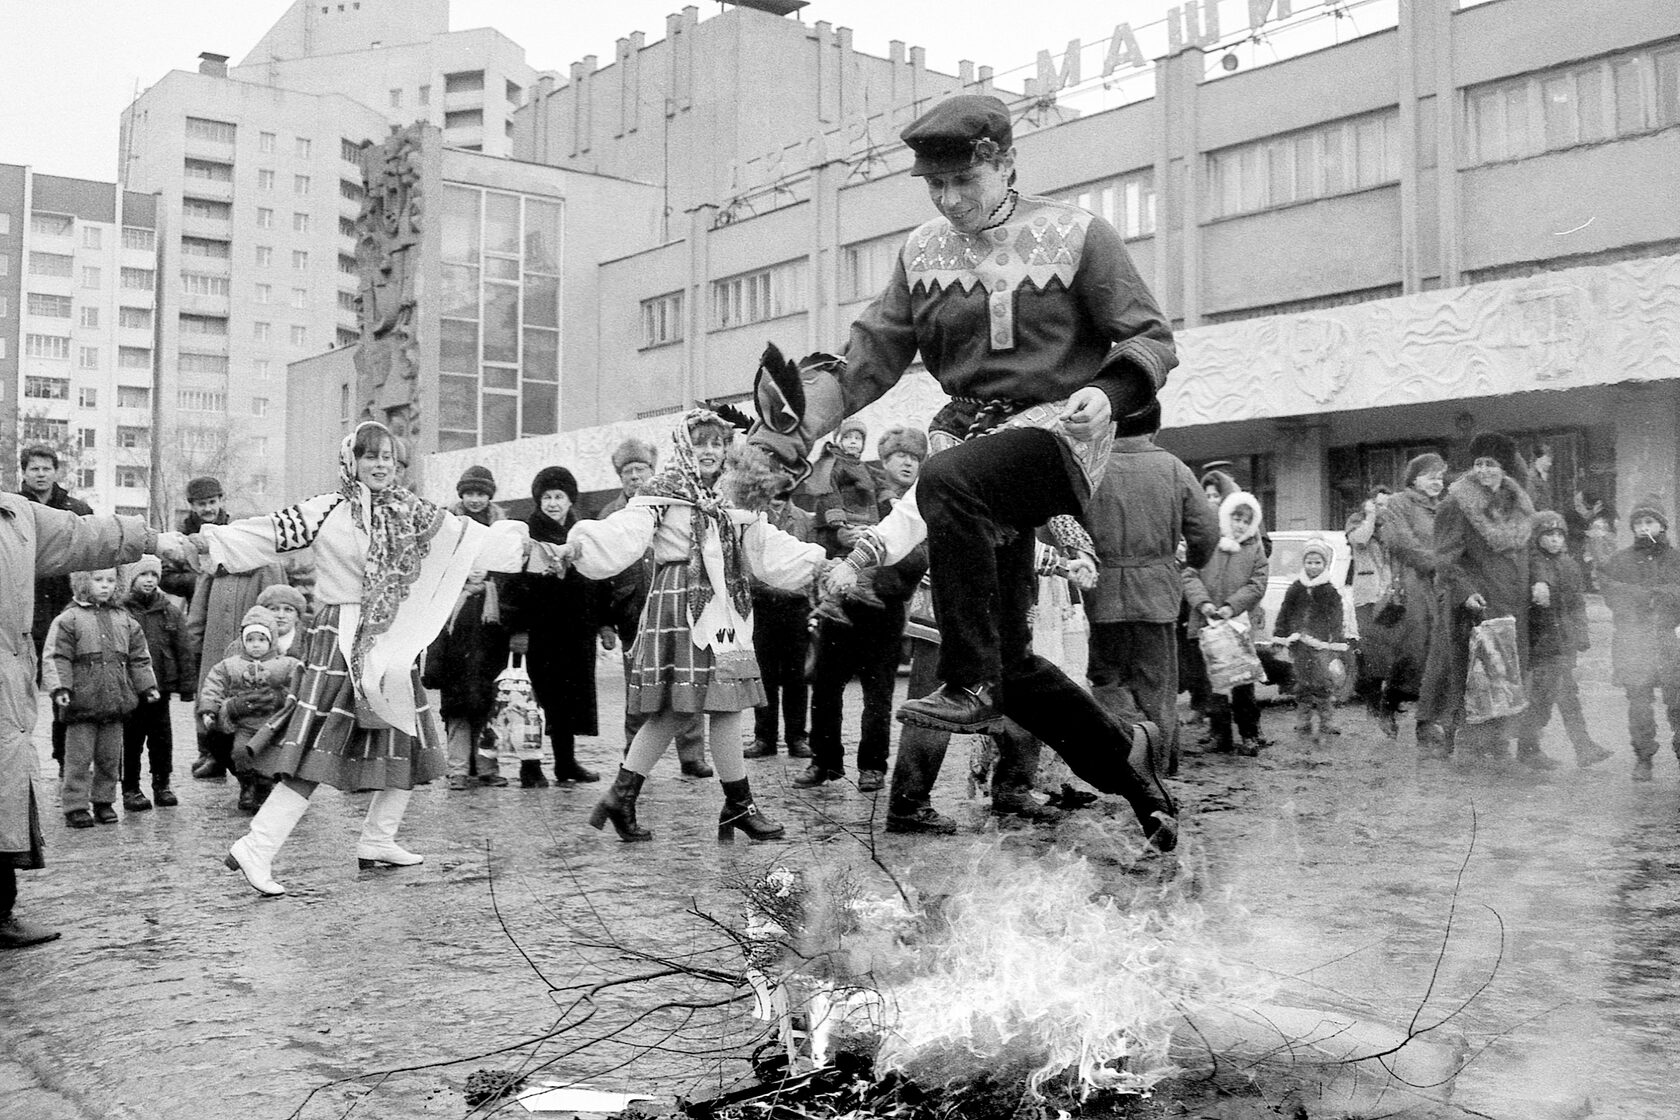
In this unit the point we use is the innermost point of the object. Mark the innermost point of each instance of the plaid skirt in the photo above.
(668, 672)
(315, 735)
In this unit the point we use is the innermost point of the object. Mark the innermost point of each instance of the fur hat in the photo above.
(259, 618)
(553, 478)
(1145, 421)
(1651, 505)
(1548, 521)
(202, 489)
(851, 424)
(634, 450)
(902, 438)
(1322, 548)
(1502, 449)
(1229, 540)
(128, 573)
(1420, 465)
(283, 595)
(476, 478)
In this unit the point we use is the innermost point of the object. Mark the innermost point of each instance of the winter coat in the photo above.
(99, 654)
(1369, 572)
(1406, 531)
(625, 593)
(1641, 586)
(852, 499)
(174, 658)
(1148, 503)
(1235, 576)
(1481, 548)
(797, 524)
(35, 541)
(472, 647)
(177, 578)
(1560, 628)
(1314, 608)
(219, 603)
(561, 615)
(52, 593)
(263, 682)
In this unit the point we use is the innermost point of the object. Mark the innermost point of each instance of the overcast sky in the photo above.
(68, 67)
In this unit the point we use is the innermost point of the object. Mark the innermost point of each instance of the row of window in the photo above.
(212, 171)
(93, 237)
(224, 132)
(60, 307)
(57, 348)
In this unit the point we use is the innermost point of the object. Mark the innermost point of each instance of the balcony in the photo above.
(198, 304)
(217, 228)
(217, 190)
(194, 343)
(197, 147)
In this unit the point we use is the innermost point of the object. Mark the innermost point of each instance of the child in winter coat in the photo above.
(1641, 585)
(97, 669)
(1310, 620)
(174, 664)
(241, 692)
(1231, 584)
(289, 608)
(1557, 631)
(852, 503)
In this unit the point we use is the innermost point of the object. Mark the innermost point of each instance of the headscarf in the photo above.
(680, 482)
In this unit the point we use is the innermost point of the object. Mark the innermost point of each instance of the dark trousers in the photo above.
(1240, 706)
(8, 890)
(148, 727)
(781, 639)
(1552, 685)
(1133, 670)
(1642, 716)
(868, 650)
(921, 750)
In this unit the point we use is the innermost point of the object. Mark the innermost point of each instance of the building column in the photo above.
(700, 220)
(1647, 438)
(1302, 477)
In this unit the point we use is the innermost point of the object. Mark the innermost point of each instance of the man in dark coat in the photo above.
(1149, 504)
(38, 467)
(204, 507)
(781, 639)
(633, 461)
(1642, 588)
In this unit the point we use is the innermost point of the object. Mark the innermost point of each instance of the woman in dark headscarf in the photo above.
(1398, 646)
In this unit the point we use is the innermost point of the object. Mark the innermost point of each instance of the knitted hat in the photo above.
(1649, 506)
(1548, 521)
(902, 438)
(259, 618)
(634, 450)
(128, 573)
(851, 424)
(1502, 449)
(1420, 465)
(203, 489)
(1145, 421)
(1322, 548)
(553, 478)
(283, 595)
(476, 478)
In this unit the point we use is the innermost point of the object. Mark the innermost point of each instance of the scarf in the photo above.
(680, 483)
(549, 531)
(1504, 518)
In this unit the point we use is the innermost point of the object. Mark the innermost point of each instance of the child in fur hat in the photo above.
(1557, 631)
(1311, 622)
(242, 691)
(174, 664)
(1641, 585)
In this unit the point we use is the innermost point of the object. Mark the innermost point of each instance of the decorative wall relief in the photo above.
(388, 267)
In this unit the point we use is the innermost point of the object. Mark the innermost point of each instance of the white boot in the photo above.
(252, 855)
(378, 844)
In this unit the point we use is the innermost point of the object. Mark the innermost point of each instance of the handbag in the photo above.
(1493, 684)
(516, 720)
(1229, 653)
(1391, 604)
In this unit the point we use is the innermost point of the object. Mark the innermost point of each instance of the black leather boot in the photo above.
(618, 805)
(961, 711)
(739, 812)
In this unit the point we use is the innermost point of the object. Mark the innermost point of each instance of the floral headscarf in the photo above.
(681, 482)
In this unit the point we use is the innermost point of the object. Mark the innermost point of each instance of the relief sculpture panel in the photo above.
(388, 271)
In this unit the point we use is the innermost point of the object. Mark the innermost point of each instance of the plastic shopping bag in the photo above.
(1493, 688)
(516, 721)
(1228, 650)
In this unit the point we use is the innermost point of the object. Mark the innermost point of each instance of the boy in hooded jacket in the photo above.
(1557, 631)
(242, 691)
(174, 664)
(1641, 585)
(1311, 621)
(1231, 584)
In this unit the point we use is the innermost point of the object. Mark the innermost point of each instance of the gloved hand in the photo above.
(207, 720)
(609, 638)
(61, 698)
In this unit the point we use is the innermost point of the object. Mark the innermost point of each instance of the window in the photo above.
(201, 400)
(86, 478)
(1630, 93)
(265, 141)
(136, 238)
(134, 318)
(209, 171)
(87, 438)
(38, 429)
(133, 396)
(466, 81)
(51, 264)
(344, 336)
(259, 447)
(662, 319)
(347, 227)
(220, 132)
(87, 357)
(46, 346)
(91, 237)
(204, 363)
(265, 256)
(51, 307)
(265, 218)
(425, 95)
(134, 357)
(137, 279)
(265, 293)
(204, 324)
(132, 437)
(300, 260)
(300, 298)
(464, 118)
(206, 247)
(262, 369)
(6, 223)
(349, 151)
(513, 93)
(51, 225)
(259, 406)
(867, 266)
(47, 388)
(300, 336)
(265, 180)
(261, 331)
(349, 191)
(90, 317)
(300, 223)
(349, 301)
(1329, 159)
(396, 99)
(303, 148)
(347, 264)
(300, 184)
(87, 397)
(757, 296)
(132, 478)
(91, 277)
(200, 284)
(205, 210)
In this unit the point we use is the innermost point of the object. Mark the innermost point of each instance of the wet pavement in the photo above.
(177, 992)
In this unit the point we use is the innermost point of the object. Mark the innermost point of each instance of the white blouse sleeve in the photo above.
(610, 545)
(249, 543)
(779, 558)
(902, 529)
(503, 549)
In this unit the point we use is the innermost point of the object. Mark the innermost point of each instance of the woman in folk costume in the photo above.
(390, 566)
(695, 650)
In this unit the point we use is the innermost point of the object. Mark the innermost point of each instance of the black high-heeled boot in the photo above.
(739, 812)
(618, 805)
